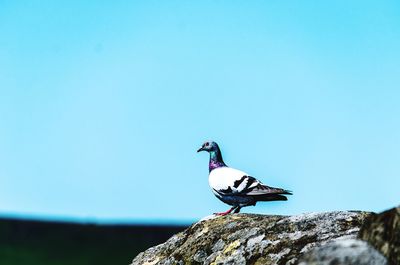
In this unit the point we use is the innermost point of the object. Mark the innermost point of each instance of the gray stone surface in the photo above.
(253, 239)
(382, 231)
(344, 252)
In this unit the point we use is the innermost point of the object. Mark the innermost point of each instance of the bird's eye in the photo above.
(207, 144)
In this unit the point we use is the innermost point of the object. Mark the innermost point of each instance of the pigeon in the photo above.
(235, 187)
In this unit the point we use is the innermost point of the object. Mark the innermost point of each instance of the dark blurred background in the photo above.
(61, 243)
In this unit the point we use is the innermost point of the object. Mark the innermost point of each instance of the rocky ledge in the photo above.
(382, 231)
(343, 237)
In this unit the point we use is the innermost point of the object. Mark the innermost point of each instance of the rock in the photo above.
(253, 239)
(344, 252)
(383, 232)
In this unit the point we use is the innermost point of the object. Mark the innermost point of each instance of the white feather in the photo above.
(224, 177)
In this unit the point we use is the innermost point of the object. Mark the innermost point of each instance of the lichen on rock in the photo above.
(253, 239)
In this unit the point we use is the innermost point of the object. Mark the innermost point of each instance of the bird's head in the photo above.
(208, 146)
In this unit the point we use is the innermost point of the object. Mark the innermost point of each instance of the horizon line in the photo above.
(90, 220)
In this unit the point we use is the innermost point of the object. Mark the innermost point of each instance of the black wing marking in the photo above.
(245, 183)
(225, 191)
(248, 185)
(240, 186)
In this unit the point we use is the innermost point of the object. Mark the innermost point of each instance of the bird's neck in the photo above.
(216, 160)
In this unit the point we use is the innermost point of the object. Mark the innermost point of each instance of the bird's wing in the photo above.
(226, 180)
(230, 181)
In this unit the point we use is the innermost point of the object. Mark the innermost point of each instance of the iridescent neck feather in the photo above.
(216, 160)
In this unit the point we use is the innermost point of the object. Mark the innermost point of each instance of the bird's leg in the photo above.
(227, 212)
(237, 210)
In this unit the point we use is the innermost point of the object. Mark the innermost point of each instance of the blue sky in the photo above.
(103, 105)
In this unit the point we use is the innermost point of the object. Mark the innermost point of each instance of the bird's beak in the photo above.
(200, 149)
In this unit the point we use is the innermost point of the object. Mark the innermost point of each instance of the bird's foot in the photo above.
(225, 213)
(237, 210)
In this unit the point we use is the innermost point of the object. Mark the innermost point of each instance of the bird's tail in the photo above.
(287, 192)
(273, 194)
(270, 197)
(272, 190)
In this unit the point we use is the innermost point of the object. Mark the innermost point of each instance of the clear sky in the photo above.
(103, 105)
